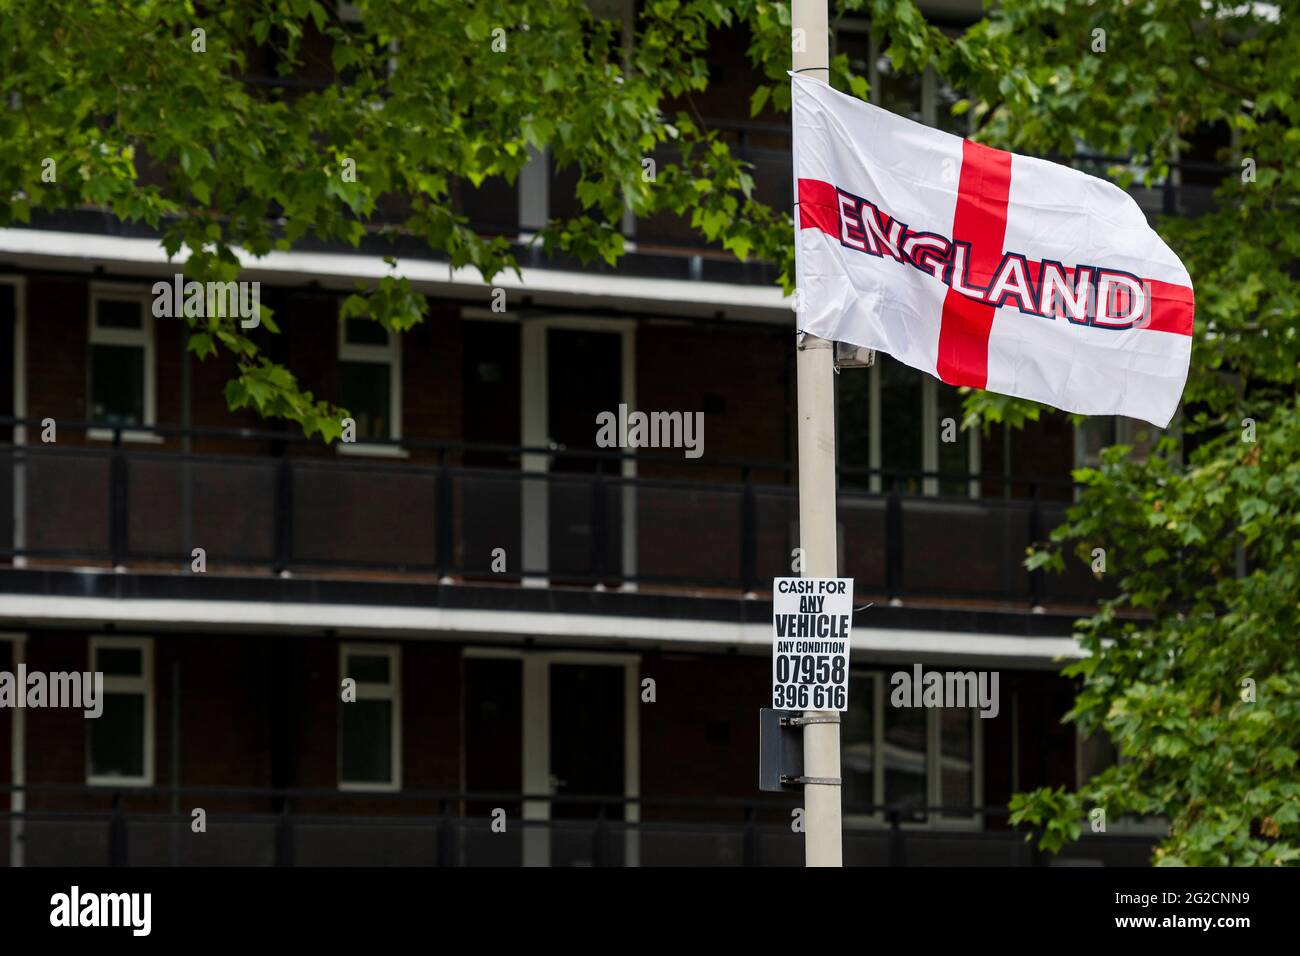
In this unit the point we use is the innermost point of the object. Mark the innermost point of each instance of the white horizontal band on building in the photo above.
(382, 620)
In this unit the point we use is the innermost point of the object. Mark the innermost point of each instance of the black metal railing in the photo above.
(274, 501)
(160, 826)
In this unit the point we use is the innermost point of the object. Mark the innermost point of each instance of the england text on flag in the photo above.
(983, 267)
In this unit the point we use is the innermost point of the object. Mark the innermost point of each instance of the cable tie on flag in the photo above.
(806, 340)
(805, 69)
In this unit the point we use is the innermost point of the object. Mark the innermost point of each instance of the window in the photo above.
(879, 414)
(1101, 431)
(953, 451)
(909, 757)
(905, 758)
(901, 93)
(923, 98)
(895, 419)
(858, 743)
(11, 386)
(120, 741)
(370, 378)
(370, 727)
(896, 406)
(120, 364)
(1095, 753)
(956, 757)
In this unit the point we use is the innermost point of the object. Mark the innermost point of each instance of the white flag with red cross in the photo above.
(983, 267)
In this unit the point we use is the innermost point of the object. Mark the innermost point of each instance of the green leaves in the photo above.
(1201, 543)
(363, 123)
(274, 393)
(1054, 814)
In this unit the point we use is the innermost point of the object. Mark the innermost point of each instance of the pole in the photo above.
(18, 767)
(816, 395)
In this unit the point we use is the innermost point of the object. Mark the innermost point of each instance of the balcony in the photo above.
(97, 826)
(267, 503)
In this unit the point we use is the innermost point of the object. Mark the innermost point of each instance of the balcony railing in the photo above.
(99, 826)
(275, 502)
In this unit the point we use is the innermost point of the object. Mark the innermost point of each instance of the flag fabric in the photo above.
(983, 267)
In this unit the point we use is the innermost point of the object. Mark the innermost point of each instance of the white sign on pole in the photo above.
(811, 621)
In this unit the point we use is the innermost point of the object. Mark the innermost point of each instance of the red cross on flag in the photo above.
(982, 267)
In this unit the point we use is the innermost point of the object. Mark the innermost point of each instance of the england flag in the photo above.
(982, 267)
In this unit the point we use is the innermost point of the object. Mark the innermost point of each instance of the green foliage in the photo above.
(432, 95)
(1202, 542)
(1175, 660)
(1056, 812)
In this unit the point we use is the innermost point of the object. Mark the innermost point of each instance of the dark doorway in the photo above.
(494, 755)
(494, 745)
(488, 489)
(584, 378)
(490, 396)
(587, 758)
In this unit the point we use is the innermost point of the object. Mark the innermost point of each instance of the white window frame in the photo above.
(392, 691)
(118, 684)
(535, 425)
(17, 655)
(929, 416)
(932, 434)
(141, 338)
(880, 689)
(390, 355)
(19, 285)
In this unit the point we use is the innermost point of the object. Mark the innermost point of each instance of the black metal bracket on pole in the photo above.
(799, 780)
(780, 750)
